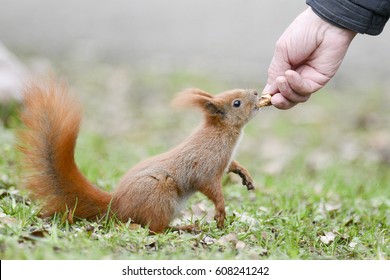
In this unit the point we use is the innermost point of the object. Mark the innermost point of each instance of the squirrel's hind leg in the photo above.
(214, 193)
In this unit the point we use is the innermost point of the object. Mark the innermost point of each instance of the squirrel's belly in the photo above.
(181, 203)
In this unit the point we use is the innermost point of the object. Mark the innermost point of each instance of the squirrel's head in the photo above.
(230, 108)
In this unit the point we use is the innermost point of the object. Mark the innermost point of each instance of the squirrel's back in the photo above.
(52, 118)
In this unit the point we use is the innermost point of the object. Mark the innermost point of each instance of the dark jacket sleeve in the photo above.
(362, 16)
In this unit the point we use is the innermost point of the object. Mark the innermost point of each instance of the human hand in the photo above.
(306, 57)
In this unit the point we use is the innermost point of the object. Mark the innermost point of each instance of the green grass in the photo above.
(321, 171)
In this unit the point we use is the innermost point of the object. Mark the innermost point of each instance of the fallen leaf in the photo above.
(95, 236)
(328, 237)
(246, 218)
(89, 228)
(40, 233)
(355, 241)
(240, 245)
(134, 226)
(226, 239)
(326, 208)
(263, 209)
(207, 240)
(152, 246)
(352, 244)
(8, 220)
(34, 235)
(330, 207)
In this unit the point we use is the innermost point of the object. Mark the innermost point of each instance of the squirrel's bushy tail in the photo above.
(52, 119)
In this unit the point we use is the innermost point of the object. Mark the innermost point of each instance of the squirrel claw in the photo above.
(220, 219)
(250, 186)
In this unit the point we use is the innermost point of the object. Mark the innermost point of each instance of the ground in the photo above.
(321, 172)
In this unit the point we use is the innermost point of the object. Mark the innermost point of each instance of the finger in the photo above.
(270, 89)
(288, 93)
(280, 102)
(300, 85)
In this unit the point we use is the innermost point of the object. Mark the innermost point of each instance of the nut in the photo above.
(265, 100)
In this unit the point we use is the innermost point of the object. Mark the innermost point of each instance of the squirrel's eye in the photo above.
(236, 103)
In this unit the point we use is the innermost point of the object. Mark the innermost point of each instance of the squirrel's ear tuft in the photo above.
(194, 97)
(191, 97)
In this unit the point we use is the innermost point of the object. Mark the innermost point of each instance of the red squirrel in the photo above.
(152, 192)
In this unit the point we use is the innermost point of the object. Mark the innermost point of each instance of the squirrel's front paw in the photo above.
(246, 180)
(241, 171)
(250, 186)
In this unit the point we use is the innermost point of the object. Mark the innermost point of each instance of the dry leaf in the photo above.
(328, 237)
(352, 244)
(207, 240)
(40, 233)
(34, 235)
(226, 239)
(246, 218)
(355, 241)
(263, 209)
(240, 245)
(152, 246)
(89, 228)
(8, 220)
(134, 226)
(326, 208)
(330, 207)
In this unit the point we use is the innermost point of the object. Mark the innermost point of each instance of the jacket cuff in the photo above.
(349, 15)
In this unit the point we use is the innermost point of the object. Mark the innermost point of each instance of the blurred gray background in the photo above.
(231, 39)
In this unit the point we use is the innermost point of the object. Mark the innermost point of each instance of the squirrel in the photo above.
(153, 191)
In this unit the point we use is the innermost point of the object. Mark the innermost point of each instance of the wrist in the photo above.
(325, 26)
(365, 17)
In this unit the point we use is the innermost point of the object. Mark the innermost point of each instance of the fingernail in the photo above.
(282, 86)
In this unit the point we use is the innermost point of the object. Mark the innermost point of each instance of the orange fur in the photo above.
(152, 192)
(52, 119)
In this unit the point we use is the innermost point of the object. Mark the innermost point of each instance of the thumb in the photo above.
(270, 89)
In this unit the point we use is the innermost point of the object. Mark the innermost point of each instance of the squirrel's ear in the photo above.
(197, 91)
(195, 97)
(214, 109)
(192, 97)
